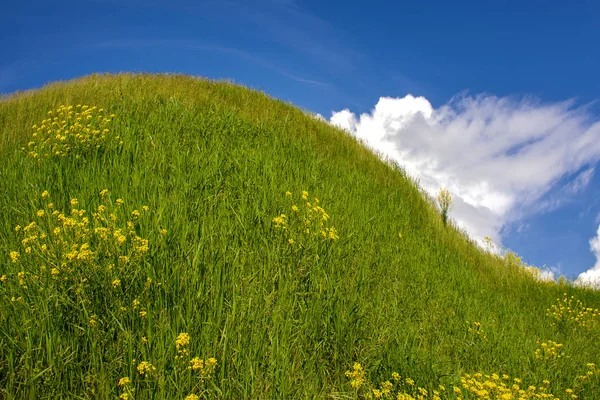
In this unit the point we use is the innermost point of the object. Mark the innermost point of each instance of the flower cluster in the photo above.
(478, 385)
(549, 350)
(71, 131)
(74, 245)
(203, 368)
(356, 376)
(394, 388)
(590, 379)
(493, 387)
(571, 312)
(182, 342)
(307, 221)
(126, 386)
(145, 368)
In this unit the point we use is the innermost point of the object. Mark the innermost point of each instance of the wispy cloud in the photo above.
(498, 156)
(580, 182)
(196, 46)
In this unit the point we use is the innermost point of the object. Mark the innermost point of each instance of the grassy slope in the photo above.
(213, 161)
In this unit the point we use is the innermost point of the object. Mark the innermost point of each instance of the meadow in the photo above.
(171, 237)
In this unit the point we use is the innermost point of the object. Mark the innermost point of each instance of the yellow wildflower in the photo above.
(124, 381)
(182, 340)
(145, 368)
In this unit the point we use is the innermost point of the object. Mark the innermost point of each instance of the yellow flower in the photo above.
(288, 194)
(196, 364)
(119, 202)
(145, 368)
(74, 202)
(45, 194)
(3, 278)
(104, 192)
(116, 283)
(182, 340)
(191, 397)
(143, 314)
(162, 231)
(14, 256)
(124, 381)
(54, 271)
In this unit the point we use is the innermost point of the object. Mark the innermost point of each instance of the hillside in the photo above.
(144, 255)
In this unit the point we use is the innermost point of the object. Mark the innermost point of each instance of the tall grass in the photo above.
(397, 290)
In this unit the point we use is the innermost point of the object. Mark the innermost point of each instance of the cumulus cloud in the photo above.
(592, 276)
(318, 116)
(498, 157)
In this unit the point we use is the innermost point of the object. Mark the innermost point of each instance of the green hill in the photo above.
(143, 254)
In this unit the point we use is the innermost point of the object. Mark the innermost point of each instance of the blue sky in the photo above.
(505, 93)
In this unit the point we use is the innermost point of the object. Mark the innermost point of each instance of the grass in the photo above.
(200, 170)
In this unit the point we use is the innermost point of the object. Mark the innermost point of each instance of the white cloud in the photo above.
(318, 116)
(591, 277)
(497, 156)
